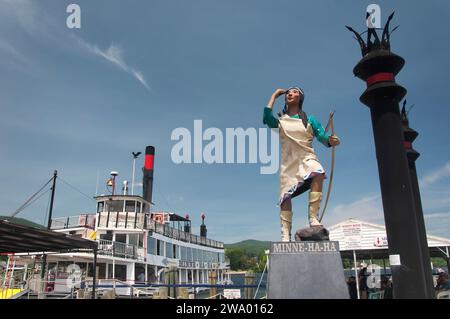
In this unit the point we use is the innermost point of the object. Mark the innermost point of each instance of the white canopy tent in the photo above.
(369, 241)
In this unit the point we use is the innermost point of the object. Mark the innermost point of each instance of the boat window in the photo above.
(100, 207)
(141, 240)
(62, 268)
(195, 254)
(121, 238)
(189, 254)
(90, 271)
(169, 250)
(133, 239)
(101, 271)
(115, 205)
(158, 247)
(120, 272)
(151, 245)
(110, 271)
(138, 207)
(139, 273)
(107, 236)
(52, 268)
(175, 248)
(130, 205)
(183, 253)
(151, 275)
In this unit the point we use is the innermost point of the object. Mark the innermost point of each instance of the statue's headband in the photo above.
(302, 97)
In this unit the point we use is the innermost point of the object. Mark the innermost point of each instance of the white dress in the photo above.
(299, 163)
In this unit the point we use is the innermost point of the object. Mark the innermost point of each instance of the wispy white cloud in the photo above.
(42, 27)
(435, 193)
(368, 209)
(24, 11)
(438, 224)
(437, 175)
(437, 215)
(12, 53)
(114, 55)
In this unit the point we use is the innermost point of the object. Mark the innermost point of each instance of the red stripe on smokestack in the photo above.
(149, 161)
(148, 173)
(407, 145)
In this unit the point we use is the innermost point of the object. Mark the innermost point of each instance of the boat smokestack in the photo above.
(203, 229)
(148, 173)
(187, 225)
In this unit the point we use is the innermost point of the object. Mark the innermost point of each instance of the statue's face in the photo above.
(293, 97)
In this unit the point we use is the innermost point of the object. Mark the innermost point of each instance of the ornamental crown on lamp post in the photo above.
(376, 44)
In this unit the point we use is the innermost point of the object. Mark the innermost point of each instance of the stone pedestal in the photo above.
(306, 270)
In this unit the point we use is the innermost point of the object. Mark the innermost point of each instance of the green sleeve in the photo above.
(269, 119)
(319, 132)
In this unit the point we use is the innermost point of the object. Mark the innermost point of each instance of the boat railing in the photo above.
(82, 220)
(131, 220)
(52, 287)
(167, 230)
(121, 287)
(121, 250)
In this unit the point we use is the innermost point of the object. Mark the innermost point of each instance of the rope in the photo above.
(29, 201)
(260, 280)
(76, 189)
(32, 201)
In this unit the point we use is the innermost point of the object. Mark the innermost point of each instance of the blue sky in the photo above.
(81, 100)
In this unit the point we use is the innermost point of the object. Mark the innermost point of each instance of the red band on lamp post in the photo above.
(380, 77)
(407, 145)
(149, 161)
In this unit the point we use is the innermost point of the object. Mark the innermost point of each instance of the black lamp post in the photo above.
(409, 255)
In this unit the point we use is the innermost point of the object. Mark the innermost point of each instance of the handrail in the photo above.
(169, 231)
(81, 220)
(115, 280)
(118, 249)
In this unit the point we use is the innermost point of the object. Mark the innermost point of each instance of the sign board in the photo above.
(381, 241)
(232, 293)
(352, 235)
(304, 247)
(160, 218)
